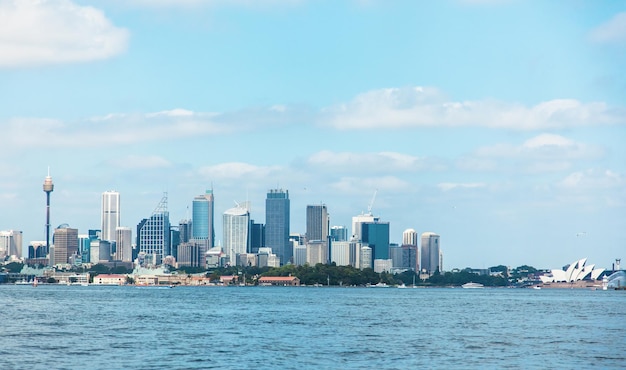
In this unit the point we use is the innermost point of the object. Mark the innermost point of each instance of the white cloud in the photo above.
(238, 170)
(37, 32)
(372, 162)
(540, 154)
(112, 129)
(426, 107)
(446, 186)
(592, 179)
(140, 162)
(611, 32)
(206, 3)
(351, 185)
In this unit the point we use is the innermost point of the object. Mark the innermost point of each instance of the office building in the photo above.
(316, 252)
(202, 218)
(110, 215)
(317, 222)
(257, 236)
(431, 254)
(340, 253)
(236, 223)
(153, 234)
(357, 221)
(376, 236)
(339, 234)
(277, 224)
(185, 228)
(123, 244)
(65, 242)
(410, 237)
(10, 244)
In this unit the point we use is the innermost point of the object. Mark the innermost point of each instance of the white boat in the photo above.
(471, 285)
(379, 285)
(402, 286)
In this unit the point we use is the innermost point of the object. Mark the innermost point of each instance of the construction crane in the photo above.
(369, 207)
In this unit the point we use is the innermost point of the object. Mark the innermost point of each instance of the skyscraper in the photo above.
(110, 215)
(431, 259)
(10, 244)
(236, 223)
(376, 236)
(65, 243)
(124, 244)
(153, 234)
(317, 222)
(409, 237)
(339, 234)
(357, 221)
(202, 218)
(277, 224)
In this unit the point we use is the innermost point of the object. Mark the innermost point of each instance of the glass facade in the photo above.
(277, 224)
(376, 236)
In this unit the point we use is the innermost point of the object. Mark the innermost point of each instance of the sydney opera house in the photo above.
(576, 271)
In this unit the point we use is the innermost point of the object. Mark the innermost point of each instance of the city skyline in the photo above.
(497, 124)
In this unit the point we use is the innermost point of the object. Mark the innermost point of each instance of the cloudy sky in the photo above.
(500, 125)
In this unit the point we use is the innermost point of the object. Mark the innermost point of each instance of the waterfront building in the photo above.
(174, 241)
(65, 240)
(575, 271)
(431, 254)
(410, 237)
(153, 234)
(339, 234)
(236, 223)
(123, 244)
(376, 235)
(355, 253)
(10, 244)
(202, 218)
(340, 253)
(84, 243)
(110, 218)
(277, 217)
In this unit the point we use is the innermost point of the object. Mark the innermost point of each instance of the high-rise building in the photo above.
(10, 244)
(316, 252)
(236, 223)
(277, 224)
(431, 258)
(317, 222)
(185, 228)
(357, 221)
(376, 236)
(110, 215)
(153, 234)
(65, 244)
(202, 218)
(124, 244)
(340, 253)
(257, 236)
(410, 237)
(339, 234)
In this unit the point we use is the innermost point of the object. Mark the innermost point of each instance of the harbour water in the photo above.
(95, 327)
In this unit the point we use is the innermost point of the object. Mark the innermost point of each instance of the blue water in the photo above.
(74, 327)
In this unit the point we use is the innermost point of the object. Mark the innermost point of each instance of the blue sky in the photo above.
(499, 125)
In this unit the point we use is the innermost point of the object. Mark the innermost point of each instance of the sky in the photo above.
(498, 124)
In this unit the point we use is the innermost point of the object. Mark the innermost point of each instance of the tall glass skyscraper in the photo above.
(376, 236)
(202, 218)
(236, 223)
(153, 234)
(110, 215)
(277, 224)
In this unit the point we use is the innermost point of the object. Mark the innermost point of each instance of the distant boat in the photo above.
(402, 286)
(471, 285)
(35, 283)
(536, 287)
(379, 285)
